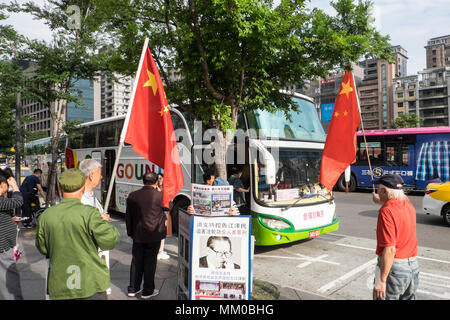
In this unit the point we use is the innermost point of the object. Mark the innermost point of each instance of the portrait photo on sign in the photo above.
(220, 252)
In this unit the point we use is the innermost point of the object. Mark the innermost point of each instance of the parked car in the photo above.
(437, 200)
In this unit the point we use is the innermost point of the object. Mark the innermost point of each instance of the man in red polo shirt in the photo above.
(397, 276)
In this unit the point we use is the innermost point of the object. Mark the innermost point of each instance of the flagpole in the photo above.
(364, 133)
(125, 126)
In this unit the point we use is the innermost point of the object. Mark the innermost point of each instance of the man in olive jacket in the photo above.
(69, 234)
(146, 225)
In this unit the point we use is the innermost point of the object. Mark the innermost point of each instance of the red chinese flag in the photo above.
(150, 130)
(340, 146)
(69, 158)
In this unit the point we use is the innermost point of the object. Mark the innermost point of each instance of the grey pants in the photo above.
(10, 288)
(402, 281)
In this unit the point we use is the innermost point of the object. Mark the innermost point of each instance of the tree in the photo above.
(236, 55)
(72, 54)
(11, 91)
(407, 120)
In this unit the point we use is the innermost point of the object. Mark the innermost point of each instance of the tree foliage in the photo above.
(407, 120)
(236, 55)
(72, 54)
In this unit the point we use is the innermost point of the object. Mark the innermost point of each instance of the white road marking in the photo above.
(311, 260)
(348, 275)
(355, 247)
(441, 296)
(373, 249)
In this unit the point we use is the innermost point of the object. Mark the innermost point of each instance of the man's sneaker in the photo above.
(132, 292)
(155, 293)
(163, 256)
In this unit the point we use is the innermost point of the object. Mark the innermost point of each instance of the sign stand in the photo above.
(215, 256)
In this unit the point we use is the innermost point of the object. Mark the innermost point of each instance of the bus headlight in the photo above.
(275, 224)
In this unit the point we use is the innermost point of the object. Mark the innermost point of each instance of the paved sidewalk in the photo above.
(32, 267)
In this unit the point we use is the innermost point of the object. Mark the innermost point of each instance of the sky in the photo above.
(410, 24)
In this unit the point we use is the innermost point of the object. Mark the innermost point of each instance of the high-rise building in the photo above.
(401, 61)
(438, 52)
(376, 90)
(405, 93)
(426, 95)
(41, 115)
(83, 113)
(36, 111)
(115, 95)
(434, 98)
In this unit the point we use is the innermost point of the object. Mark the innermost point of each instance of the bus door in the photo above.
(202, 162)
(108, 166)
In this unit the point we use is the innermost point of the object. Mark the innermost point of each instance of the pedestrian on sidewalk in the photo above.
(10, 288)
(162, 255)
(146, 225)
(397, 273)
(92, 169)
(69, 234)
(29, 188)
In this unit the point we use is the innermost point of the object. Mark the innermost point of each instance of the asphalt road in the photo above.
(359, 214)
(341, 265)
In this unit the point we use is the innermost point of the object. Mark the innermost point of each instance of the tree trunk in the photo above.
(56, 135)
(223, 142)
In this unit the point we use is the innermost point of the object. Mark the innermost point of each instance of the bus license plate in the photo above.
(313, 234)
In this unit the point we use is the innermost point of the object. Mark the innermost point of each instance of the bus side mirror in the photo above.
(267, 160)
(270, 171)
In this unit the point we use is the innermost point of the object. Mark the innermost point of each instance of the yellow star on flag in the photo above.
(163, 110)
(345, 112)
(151, 82)
(346, 88)
(336, 114)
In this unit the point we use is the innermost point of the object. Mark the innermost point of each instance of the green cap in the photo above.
(72, 180)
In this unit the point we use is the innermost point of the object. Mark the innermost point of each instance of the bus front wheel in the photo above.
(351, 184)
(182, 203)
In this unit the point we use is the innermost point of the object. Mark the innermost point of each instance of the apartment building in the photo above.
(406, 92)
(115, 95)
(376, 90)
(426, 95)
(434, 98)
(438, 52)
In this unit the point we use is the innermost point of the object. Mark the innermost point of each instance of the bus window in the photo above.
(390, 156)
(404, 155)
(88, 140)
(375, 154)
(396, 155)
(107, 134)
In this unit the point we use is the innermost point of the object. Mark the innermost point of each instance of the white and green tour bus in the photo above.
(279, 157)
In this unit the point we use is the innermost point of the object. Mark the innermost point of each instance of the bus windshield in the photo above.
(297, 178)
(303, 124)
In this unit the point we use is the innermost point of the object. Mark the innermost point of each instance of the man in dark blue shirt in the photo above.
(238, 186)
(29, 189)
